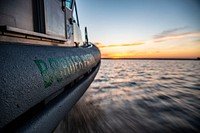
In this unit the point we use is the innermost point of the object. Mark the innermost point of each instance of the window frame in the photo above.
(71, 6)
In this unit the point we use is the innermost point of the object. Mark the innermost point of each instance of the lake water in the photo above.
(140, 96)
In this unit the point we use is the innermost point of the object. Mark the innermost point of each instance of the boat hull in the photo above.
(34, 75)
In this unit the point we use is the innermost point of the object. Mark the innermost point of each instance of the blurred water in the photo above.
(140, 96)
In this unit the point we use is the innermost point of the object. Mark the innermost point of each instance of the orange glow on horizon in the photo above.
(157, 54)
(171, 46)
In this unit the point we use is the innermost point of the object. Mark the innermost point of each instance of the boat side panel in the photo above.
(17, 13)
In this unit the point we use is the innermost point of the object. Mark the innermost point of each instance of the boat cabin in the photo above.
(46, 22)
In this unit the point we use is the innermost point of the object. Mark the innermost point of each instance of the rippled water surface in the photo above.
(140, 96)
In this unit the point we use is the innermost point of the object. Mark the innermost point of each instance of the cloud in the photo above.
(165, 36)
(198, 40)
(118, 45)
(170, 32)
(182, 35)
(170, 37)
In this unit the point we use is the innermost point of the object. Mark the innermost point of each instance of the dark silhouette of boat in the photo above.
(45, 65)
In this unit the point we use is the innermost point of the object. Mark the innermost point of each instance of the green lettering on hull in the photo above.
(59, 68)
(44, 70)
(55, 67)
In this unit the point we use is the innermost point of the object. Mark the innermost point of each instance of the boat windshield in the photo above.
(69, 4)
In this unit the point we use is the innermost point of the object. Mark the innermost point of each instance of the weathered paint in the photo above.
(26, 70)
(44, 70)
(62, 67)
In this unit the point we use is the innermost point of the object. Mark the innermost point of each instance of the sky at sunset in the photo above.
(143, 28)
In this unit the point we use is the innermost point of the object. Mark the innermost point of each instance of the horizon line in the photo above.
(198, 58)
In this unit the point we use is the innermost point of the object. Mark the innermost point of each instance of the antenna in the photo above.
(86, 36)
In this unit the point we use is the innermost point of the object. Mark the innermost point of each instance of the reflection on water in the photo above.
(140, 96)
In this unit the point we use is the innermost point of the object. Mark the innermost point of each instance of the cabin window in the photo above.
(69, 4)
